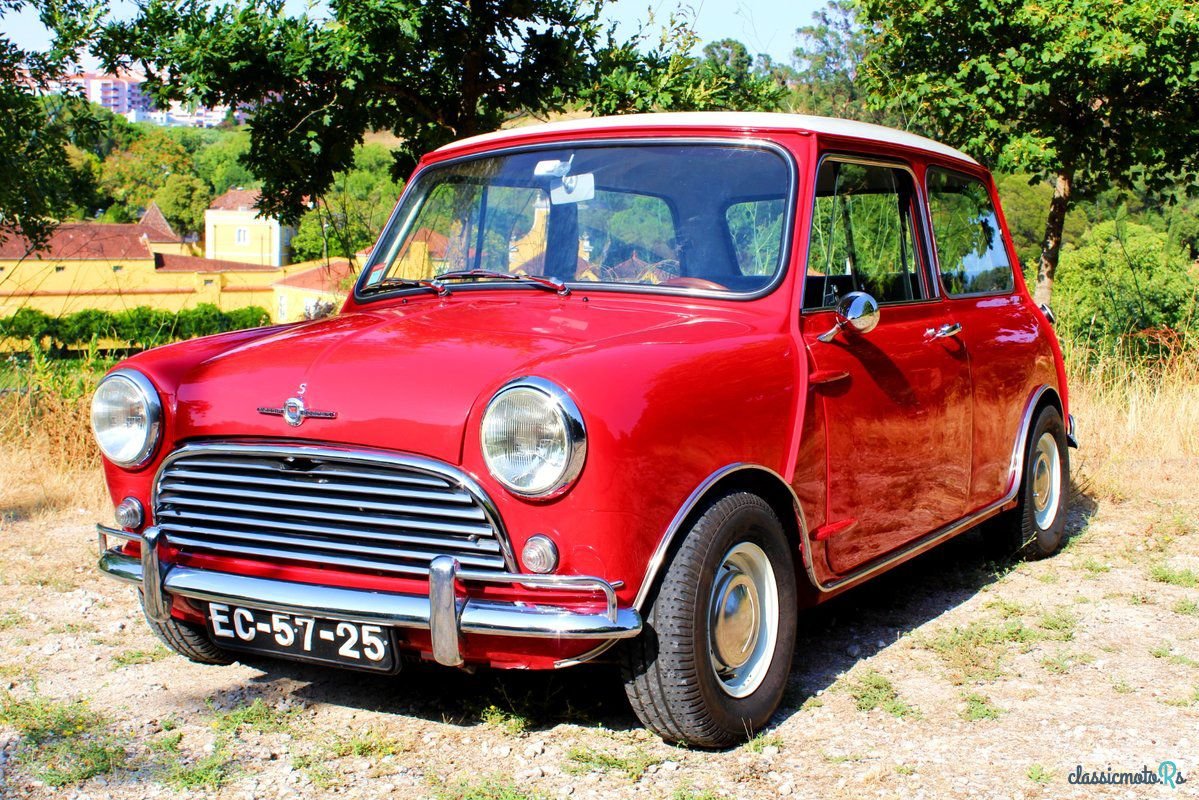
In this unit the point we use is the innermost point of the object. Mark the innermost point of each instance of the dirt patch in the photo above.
(949, 677)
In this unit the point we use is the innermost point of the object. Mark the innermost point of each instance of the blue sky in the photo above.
(765, 26)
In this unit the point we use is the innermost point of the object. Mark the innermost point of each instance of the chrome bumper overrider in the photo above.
(1071, 435)
(443, 613)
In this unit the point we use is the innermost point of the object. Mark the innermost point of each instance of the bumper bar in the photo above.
(443, 613)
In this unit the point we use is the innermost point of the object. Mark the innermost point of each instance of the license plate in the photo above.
(329, 641)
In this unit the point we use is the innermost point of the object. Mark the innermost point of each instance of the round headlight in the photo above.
(126, 417)
(534, 442)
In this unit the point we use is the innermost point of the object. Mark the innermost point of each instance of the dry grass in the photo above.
(1138, 425)
(47, 456)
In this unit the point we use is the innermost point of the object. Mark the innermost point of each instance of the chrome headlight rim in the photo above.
(153, 406)
(576, 433)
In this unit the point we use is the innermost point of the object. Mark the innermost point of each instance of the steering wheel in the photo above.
(695, 283)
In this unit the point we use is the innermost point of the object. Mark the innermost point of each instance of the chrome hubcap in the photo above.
(1046, 481)
(742, 619)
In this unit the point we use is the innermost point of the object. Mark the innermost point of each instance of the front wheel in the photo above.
(711, 666)
(1037, 525)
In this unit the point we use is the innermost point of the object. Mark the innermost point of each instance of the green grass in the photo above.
(129, 658)
(1038, 774)
(975, 652)
(509, 722)
(1164, 651)
(1008, 609)
(11, 619)
(208, 772)
(494, 788)
(63, 743)
(317, 768)
(691, 794)
(1121, 686)
(256, 716)
(1064, 661)
(1187, 607)
(1094, 567)
(1058, 624)
(904, 769)
(1164, 573)
(586, 759)
(874, 690)
(167, 743)
(762, 741)
(367, 744)
(978, 708)
(1185, 702)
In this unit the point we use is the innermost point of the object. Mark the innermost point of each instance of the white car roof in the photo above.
(741, 120)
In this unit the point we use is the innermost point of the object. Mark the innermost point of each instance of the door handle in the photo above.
(943, 332)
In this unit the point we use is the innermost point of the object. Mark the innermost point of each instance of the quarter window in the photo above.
(970, 247)
(862, 236)
(756, 232)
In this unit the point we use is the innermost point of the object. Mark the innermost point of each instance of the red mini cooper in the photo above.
(637, 387)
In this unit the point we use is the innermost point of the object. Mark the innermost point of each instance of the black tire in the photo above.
(670, 672)
(189, 641)
(1018, 532)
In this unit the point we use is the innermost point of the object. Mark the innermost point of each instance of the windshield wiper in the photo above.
(410, 283)
(544, 281)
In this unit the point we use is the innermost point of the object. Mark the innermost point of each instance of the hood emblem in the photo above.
(294, 413)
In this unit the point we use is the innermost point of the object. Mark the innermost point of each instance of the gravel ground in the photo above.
(950, 677)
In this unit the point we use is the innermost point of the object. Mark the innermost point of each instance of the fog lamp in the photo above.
(129, 514)
(540, 554)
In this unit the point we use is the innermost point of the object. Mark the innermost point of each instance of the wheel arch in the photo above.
(754, 478)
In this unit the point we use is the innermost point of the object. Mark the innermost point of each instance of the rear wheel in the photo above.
(712, 664)
(189, 641)
(1037, 525)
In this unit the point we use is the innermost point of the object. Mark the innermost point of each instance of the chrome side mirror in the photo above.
(857, 311)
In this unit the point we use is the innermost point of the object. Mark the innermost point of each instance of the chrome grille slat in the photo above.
(276, 467)
(312, 499)
(445, 495)
(350, 509)
(317, 548)
(333, 533)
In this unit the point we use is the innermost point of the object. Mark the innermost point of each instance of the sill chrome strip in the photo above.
(445, 612)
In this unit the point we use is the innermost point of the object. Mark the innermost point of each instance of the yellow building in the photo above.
(113, 267)
(233, 231)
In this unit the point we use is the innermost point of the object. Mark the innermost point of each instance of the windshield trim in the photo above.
(785, 252)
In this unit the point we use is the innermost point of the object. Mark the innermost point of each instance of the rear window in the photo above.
(970, 250)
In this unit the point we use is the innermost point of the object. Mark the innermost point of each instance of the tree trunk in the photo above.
(1051, 247)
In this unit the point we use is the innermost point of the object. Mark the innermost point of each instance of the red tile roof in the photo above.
(156, 225)
(236, 200)
(166, 262)
(84, 240)
(329, 278)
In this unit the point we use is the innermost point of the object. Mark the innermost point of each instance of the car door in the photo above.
(897, 403)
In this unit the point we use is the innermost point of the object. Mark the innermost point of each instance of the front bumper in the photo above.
(443, 613)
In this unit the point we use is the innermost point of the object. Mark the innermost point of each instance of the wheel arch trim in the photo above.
(658, 561)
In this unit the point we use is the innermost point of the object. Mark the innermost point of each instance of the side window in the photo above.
(863, 236)
(969, 242)
(756, 233)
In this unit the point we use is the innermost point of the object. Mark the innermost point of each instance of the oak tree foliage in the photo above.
(429, 72)
(1087, 93)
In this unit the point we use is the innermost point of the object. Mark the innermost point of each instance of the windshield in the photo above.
(688, 216)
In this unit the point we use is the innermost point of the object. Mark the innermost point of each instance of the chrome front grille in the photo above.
(325, 506)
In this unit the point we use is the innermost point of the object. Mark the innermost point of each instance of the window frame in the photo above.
(728, 231)
(1013, 262)
(920, 234)
(786, 254)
